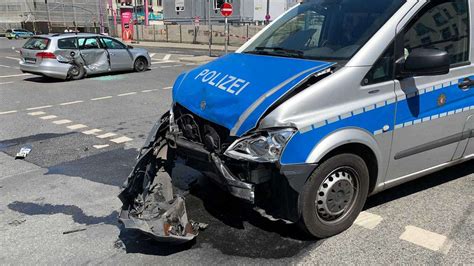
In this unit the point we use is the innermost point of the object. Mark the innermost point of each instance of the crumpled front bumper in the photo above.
(149, 202)
(222, 174)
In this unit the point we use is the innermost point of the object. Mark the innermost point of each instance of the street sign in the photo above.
(179, 5)
(268, 17)
(226, 9)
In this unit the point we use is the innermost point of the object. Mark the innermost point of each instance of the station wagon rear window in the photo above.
(37, 44)
(67, 43)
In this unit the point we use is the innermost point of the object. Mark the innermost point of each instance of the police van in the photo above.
(332, 102)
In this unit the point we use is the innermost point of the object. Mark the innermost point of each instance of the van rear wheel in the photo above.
(334, 195)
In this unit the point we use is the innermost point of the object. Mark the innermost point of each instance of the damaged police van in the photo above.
(333, 101)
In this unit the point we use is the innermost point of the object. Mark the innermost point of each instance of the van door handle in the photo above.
(466, 84)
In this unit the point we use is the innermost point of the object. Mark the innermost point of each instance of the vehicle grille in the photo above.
(214, 137)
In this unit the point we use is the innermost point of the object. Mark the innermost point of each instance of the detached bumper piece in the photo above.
(149, 203)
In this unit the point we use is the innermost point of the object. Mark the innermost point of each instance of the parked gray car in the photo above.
(73, 56)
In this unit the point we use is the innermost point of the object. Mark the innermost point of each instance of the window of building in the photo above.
(218, 3)
(442, 25)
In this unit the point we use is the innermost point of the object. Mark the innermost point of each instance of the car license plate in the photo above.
(30, 60)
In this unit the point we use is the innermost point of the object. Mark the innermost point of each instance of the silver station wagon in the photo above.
(73, 56)
(334, 101)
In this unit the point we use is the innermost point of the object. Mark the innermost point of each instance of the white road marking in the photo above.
(15, 75)
(368, 220)
(163, 62)
(107, 135)
(190, 64)
(147, 90)
(77, 126)
(39, 107)
(13, 58)
(121, 140)
(5, 66)
(101, 146)
(92, 131)
(167, 88)
(101, 98)
(48, 117)
(152, 54)
(3, 83)
(127, 94)
(62, 122)
(37, 113)
(8, 112)
(426, 239)
(171, 66)
(69, 103)
(167, 57)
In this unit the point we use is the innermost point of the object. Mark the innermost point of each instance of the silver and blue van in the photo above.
(334, 101)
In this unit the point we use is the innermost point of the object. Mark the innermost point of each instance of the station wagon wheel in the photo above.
(76, 72)
(140, 64)
(334, 195)
(17, 37)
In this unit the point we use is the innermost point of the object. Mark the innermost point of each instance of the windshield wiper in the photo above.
(279, 51)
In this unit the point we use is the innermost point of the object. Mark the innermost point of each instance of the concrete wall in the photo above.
(190, 34)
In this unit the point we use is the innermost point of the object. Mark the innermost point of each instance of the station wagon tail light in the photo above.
(263, 147)
(46, 55)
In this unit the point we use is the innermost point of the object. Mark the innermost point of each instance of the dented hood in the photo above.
(234, 91)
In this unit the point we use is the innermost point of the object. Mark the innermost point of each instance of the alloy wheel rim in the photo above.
(336, 195)
(140, 65)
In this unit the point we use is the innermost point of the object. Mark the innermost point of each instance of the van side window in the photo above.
(383, 69)
(442, 25)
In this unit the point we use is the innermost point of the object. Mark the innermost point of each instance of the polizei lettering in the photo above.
(228, 83)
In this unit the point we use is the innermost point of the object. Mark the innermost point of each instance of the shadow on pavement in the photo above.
(420, 184)
(78, 215)
(41, 79)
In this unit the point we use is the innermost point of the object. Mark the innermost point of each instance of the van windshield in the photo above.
(325, 29)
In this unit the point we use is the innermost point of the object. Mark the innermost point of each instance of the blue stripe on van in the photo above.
(419, 108)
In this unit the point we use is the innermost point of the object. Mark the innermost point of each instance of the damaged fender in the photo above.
(149, 202)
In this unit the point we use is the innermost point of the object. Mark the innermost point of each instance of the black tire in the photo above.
(140, 64)
(332, 181)
(17, 37)
(76, 72)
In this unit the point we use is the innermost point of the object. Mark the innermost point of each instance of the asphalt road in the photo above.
(60, 204)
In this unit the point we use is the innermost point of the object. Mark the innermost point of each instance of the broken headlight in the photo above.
(263, 147)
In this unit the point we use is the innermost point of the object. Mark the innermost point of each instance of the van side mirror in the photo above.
(425, 62)
(129, 47)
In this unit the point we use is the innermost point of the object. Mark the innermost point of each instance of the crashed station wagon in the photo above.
(72, 56)
(334, 101)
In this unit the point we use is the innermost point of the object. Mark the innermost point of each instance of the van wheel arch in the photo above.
(363, 151)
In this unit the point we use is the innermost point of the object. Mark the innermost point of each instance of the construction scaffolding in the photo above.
(44, 16)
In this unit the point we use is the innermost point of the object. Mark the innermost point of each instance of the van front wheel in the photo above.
(334, 195)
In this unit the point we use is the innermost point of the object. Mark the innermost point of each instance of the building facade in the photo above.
(43, 16)
(245, 11)
(155, 10)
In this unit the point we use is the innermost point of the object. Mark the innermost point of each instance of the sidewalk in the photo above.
(184, 46)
